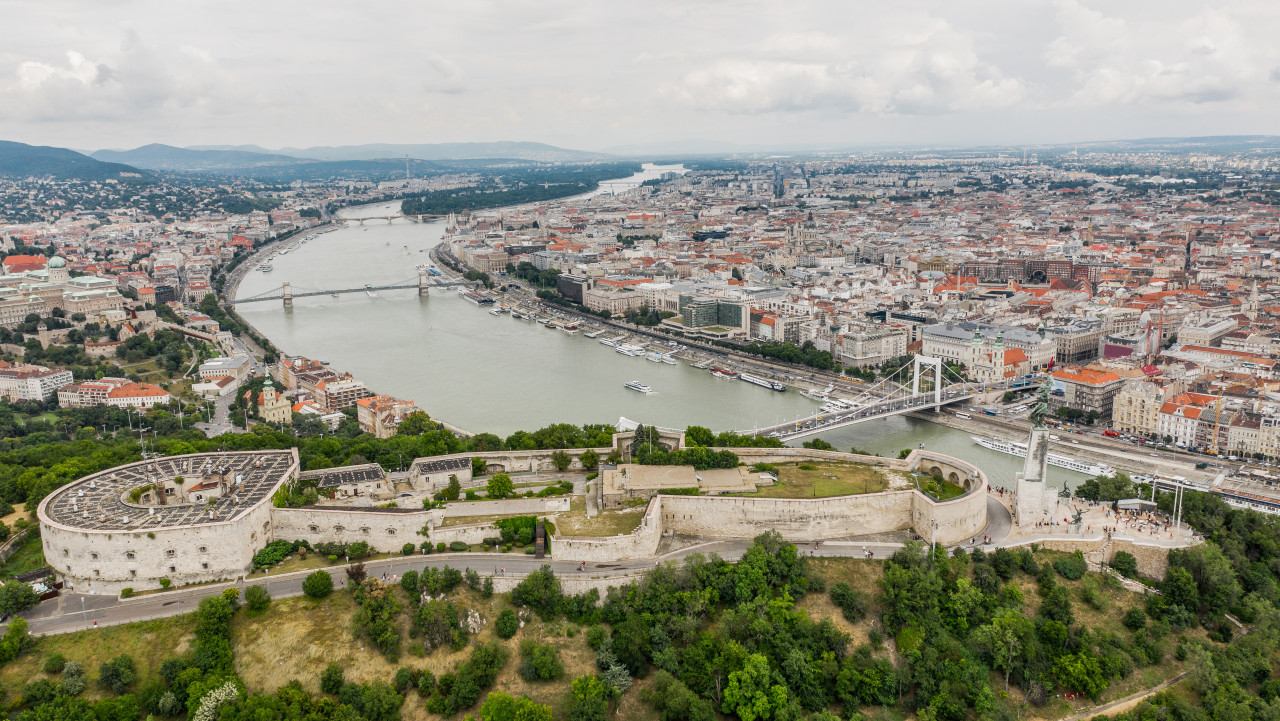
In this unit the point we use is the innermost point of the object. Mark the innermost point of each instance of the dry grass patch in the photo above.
(822, 480)
(606, 523)
(150, 643)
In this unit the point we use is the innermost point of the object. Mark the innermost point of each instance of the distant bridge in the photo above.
(286, 292)
(889, 397)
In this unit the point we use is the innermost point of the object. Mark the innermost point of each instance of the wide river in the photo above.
(498, 374)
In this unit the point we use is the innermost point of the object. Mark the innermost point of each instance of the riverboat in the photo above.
(638, 386)
(719, 372)
(1016, 448)
(265, 268)
(762, 382)
(570, 329)
(628, 349)
(368, 289)
(476, 298)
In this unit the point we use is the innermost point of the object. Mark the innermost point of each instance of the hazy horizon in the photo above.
(602, 77)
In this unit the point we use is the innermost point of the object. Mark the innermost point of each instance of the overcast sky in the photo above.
(598, 74)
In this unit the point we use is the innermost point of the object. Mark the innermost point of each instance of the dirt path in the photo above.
(1128, 702)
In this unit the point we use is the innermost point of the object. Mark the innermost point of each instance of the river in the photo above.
(498, 374)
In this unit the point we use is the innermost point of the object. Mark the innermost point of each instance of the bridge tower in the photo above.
(422, 285)
(927, 362)
(286, 292)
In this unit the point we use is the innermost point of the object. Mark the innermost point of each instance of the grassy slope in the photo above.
(298, 637)
(825, 480)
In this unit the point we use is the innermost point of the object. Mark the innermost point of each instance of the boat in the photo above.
(611, 341)
(552, 326)
(570, 329)
(628, 349)
(1016, 448)
(476, 298)
(762, 382)
(655, 357)
(719, 372)
(821, 396)
(335, 295)
(669, 360)
(516, 314)
(368, 289)
(496, 311)
(593, 333)
(637, 386)
(266, 268)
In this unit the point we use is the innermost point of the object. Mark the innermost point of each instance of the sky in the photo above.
(609, 75)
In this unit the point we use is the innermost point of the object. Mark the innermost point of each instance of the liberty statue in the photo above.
(1041, 408)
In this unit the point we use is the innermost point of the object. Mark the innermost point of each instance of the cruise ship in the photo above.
(265, 267)
(762, 382)
(1015, 448)
(628, 349)
(822, 396)
(638, 386)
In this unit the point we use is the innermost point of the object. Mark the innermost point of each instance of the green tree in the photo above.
(499, 706)
(590, 699)
(507, 624)
(318, 584)
(257, 598)
(561, 460)
(499, 487)
(1081, 672)
(415, 424)
(752, 694)
(590, 459)
(118, 673)
(1005, 640)
(331, 679)
(16, 596)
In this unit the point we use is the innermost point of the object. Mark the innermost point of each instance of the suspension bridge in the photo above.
(286, 293)
(896, 394)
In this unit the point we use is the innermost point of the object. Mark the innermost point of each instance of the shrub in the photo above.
(486, 588)
(458, 546)
(165, 583)
(1134, 619)
(126, 592)
(596, 636)
(441, 547)
(1072, 567)
(356, 574)
(331, 679)
(850, 602)
(54, 663)
(472, 579)
(539, 662)
(426, 683)
(404, 679)
(507, 624)
(117, 674)
(440, 624)
(540, 591)
(257, 598)
(318, 585)
(407, 550)
(1125, 564)
(359, 550)
(472, 678)
(409, 582)
(73, 679)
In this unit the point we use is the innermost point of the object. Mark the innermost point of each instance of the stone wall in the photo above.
(385, 529)
(508, 507)
(797, 519)
(640, 543)
(516, 462)
(1153, 559)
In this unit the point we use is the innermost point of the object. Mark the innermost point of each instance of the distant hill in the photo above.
(167, 157)
(426, 151)
(19, 160)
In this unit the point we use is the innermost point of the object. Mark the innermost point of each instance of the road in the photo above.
(75, 611)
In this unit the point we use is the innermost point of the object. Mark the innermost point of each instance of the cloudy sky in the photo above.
(601, 74)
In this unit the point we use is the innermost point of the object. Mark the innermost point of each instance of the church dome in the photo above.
(57, 262)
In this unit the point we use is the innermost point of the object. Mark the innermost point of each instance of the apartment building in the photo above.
(32, 382)
(872, 346)
(381, 415)
(1085, 389)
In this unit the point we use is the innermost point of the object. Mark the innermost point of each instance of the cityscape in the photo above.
(913, 393)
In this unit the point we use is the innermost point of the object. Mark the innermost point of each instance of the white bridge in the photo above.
(890, 397)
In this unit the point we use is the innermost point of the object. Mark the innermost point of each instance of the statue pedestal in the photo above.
(1031, 491)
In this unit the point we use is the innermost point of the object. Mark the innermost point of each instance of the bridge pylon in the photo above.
(286, 294)
(936, 365)
(423, 292)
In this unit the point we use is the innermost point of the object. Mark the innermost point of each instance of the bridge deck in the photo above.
(400, 286)
(820, 422)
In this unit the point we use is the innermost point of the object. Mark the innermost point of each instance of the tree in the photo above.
(331, 678)
(118, 673)
(589, 459)
(453, 490)
(318, 585)
(500, 486)
(507, 624)
(561, 460)
(499, 706)
(16, 596)
(1005, 639)
(539, 662)
(415, 424)
(590, 699)
(257, 598)
(751, 694)
(1125, 564)
(1081, 672)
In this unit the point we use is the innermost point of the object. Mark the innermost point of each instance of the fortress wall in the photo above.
(797, 519)
(640, 543)
(100, 561)
(959, 518)
(508, 507)
(384, 530)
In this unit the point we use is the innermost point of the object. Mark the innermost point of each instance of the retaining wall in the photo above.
(508, 507)
(383, 529)
(640, 543)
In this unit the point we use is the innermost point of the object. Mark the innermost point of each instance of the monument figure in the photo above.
(1030, 493)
